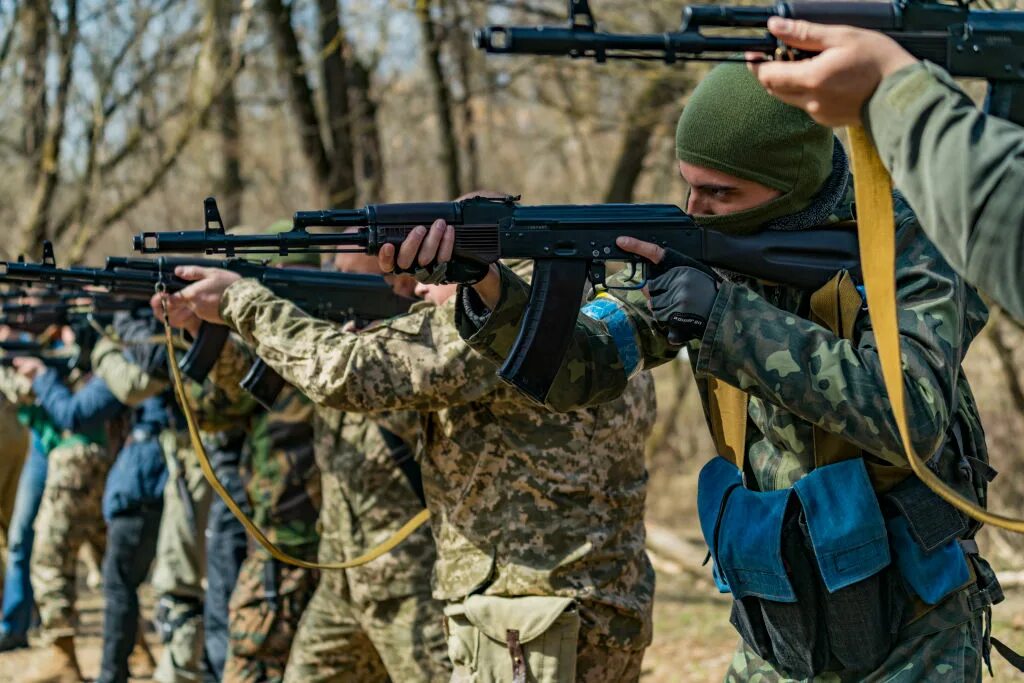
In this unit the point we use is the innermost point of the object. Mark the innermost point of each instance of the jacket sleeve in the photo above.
(962, 172)
(413, 362)
(15, 388)
(614, 338)
(127, 381)
(836, 383)
(87, 409)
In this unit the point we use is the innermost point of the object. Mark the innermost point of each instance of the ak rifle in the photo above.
(966, 42)
(340, 297)
(569, 244)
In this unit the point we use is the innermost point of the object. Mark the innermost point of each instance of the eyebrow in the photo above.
(714, 187)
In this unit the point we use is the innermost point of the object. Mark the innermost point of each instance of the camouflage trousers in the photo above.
(263, 617)
(945, 646)
(343, 639)
(70, 515)
(181, 563)
(13, 452)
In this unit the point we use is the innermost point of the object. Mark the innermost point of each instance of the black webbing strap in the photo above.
(403, 458)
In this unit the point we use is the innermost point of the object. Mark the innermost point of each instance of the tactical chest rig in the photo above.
(825, 575)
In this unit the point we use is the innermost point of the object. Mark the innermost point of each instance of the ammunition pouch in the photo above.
(822, 579)
(263, 384)
(514, 640)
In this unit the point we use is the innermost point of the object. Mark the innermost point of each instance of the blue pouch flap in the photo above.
(717, 478)
(932, 575)
(845, 523)
(750, 545)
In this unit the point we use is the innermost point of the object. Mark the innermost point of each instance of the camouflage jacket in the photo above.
(798, 373)
(961, 170)
(524, 501)
(281, 476)
(365, 496)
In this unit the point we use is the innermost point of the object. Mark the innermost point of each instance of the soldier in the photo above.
(538, 516)
(282, 485)
(18, 602)
(959, 168)
(13, 452)
(380, 621)
(898, 590)
(92, 420)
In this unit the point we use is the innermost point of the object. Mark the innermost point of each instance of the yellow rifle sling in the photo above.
(254, 531)
(876, 229)
(728, 410)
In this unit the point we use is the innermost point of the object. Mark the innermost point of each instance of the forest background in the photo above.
(121, 116)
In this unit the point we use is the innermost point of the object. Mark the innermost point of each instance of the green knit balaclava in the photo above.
(312, 259)
(731, 124)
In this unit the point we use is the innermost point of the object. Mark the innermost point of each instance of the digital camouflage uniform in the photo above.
(800, 375)
(378, 621)
(960, 170)
(525, 502)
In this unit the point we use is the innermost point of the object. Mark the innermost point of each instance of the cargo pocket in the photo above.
(925, 535)
(264, 611)
(513, 640)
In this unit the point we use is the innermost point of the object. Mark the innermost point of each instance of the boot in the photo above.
(56, 664)
(141, 663)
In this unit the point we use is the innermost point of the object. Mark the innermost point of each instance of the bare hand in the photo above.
(200, 299)
(422, 247)
(651, 252)
(833, 86)
(30, 368)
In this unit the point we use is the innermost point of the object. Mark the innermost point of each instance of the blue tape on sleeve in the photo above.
(605, 309)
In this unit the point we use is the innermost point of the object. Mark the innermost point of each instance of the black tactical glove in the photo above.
(683, 292)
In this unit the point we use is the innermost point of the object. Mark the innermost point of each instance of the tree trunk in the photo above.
(35, 29)
(641, 122)
(300, 96)
(369, 153)
(334, 72)
(229, 185)
(461, 43)
(442, 97)
(34, 230)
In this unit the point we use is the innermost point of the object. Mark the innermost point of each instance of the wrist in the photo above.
(489, 288)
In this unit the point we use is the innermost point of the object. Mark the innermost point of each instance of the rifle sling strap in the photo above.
(250, 526)
(877, 233)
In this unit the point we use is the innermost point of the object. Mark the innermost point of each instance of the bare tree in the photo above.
(663, 90)
(441, 96)
(35, 31)
(48, 168)
(226, 121)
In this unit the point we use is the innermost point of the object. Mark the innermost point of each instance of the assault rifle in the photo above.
(569, 244)
(340, 297)
(966, 42)
(63, 363)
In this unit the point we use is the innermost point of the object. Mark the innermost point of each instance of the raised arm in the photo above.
(414, 362)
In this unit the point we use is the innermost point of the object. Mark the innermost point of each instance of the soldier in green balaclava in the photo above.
(842, 564)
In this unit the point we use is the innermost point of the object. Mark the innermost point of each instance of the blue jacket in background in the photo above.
(85, 411)
(139, 474)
